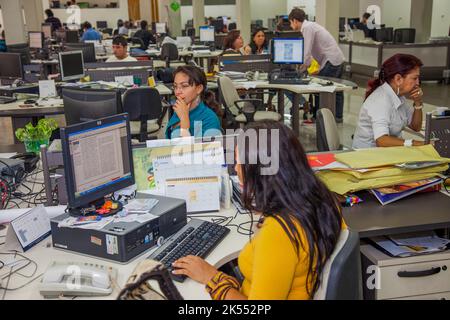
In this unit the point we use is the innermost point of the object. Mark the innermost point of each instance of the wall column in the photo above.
(13, 22)
(327, 15)
(421, 15)
(198, 13)
(244, 19)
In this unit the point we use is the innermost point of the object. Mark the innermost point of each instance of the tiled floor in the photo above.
(434, 95)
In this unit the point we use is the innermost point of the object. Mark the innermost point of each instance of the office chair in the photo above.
(342, 276)
(138, 41)
(116, 32)
(145, 111)
(190, 32)
(405, 35)
(232, 26)
(438, 128)
(169, 52)
(327, 135)
(239, 111)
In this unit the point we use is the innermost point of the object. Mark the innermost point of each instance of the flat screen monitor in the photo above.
(342, 21)
(72, 36)
(218, 25)
(160, 27)
(71, 65)
(24, 51)
(47, 30)
(10, 65)
(97, 160)
(88, 49)
(288, 50)
(85, 104)
(353, 22)
(207, 34)
(102, 24)
(36, 39)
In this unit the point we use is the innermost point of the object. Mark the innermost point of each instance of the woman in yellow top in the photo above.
(300, 223)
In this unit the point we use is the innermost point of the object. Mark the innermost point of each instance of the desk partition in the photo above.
(366, 59)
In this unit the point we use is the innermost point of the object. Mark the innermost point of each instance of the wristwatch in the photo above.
(408, 143)
(418, 107)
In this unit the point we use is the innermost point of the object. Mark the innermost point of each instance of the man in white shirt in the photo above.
(119, 47)
(320, 45)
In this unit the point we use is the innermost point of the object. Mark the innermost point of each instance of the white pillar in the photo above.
(173, 18)
(13, 22)
(243, 20)
(327, 15)
(198, 14)
(421, 14)
(146, 10)
(34, 16)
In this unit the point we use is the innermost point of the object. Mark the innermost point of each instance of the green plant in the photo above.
(42, 131)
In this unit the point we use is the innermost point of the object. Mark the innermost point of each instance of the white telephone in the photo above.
(77, 279)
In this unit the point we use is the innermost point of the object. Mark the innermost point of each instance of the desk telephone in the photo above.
(77, 279)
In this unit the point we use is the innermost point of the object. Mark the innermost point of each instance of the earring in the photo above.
(398, 91)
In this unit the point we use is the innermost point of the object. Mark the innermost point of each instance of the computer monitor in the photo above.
(353, 22)
(342, 21)
(207, 34)
(160, 27)
(102, 24)
(72, 36)
(218, 25)
(60, 36)
(97, 161)
(288, 51)
(24, 51)
(71, 65)
(84, 104)
(47, 30)
(36, 39)
(87, 48)
(10, 66)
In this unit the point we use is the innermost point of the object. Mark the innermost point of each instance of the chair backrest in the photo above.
(190, 32)
(87, 48)
(169, 51)
(405, 35)
(142, 103)
(438, 128)
(232, 26)
(228, 95)
(327, 135)
(342, 276)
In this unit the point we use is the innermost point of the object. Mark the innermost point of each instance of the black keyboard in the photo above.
(197, 238)
(293, 81)
(4, 100)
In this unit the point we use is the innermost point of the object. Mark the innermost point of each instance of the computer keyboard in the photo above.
(293, 81)
(197, 238)
(4, 100)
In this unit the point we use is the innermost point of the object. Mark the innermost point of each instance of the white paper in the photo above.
(47, 88)
(124, 80)
(158, 143)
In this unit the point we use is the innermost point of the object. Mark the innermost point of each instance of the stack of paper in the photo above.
(379, 167)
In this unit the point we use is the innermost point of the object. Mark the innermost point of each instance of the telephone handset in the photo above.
(77, 279)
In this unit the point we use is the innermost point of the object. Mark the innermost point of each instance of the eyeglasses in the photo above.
(181, 87)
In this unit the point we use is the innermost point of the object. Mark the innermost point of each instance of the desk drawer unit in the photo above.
(420, 277)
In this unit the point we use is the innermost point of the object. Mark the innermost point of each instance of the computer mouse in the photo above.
(30, 101)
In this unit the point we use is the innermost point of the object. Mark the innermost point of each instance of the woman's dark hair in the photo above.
(119, 23)
(401, 64)
(197, 77)
(230, 39)
(297, 14)
(49, 13)
(144, 24)
(253, 45)
(293, 196)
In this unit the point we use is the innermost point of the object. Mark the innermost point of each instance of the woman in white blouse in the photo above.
(385, 112)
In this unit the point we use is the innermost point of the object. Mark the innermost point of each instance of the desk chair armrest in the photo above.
(248, 108)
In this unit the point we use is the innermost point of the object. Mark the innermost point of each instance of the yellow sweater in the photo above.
(271, 268)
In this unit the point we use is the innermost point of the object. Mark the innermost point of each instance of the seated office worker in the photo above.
(258, 45)
(146, 36)
(385, 112)
(233, 44)
(321, 46)
(363, 25)
(299, 224)
(193, 114)
(120, 54)
(89, 33)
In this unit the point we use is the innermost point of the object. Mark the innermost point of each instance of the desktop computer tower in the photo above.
(123, 241)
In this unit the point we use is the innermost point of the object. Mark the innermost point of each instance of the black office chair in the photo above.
(116, 32)
(169, 52)
(139, 41)
(405, 35)
(190, 32)
(87, 48)
(342, 275)
(232, 26)
(145, 111)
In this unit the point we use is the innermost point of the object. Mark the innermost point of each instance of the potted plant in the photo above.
(35, 136)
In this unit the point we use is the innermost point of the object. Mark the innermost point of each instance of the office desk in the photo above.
(327, 94)
(43, 254)
(21, 116)
(419, 212)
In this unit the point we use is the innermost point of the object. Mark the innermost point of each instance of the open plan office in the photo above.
(225, 150)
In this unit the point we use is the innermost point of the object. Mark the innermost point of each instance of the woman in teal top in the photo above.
(193, 115)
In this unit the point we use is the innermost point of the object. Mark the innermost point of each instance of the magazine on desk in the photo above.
(391, 194)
